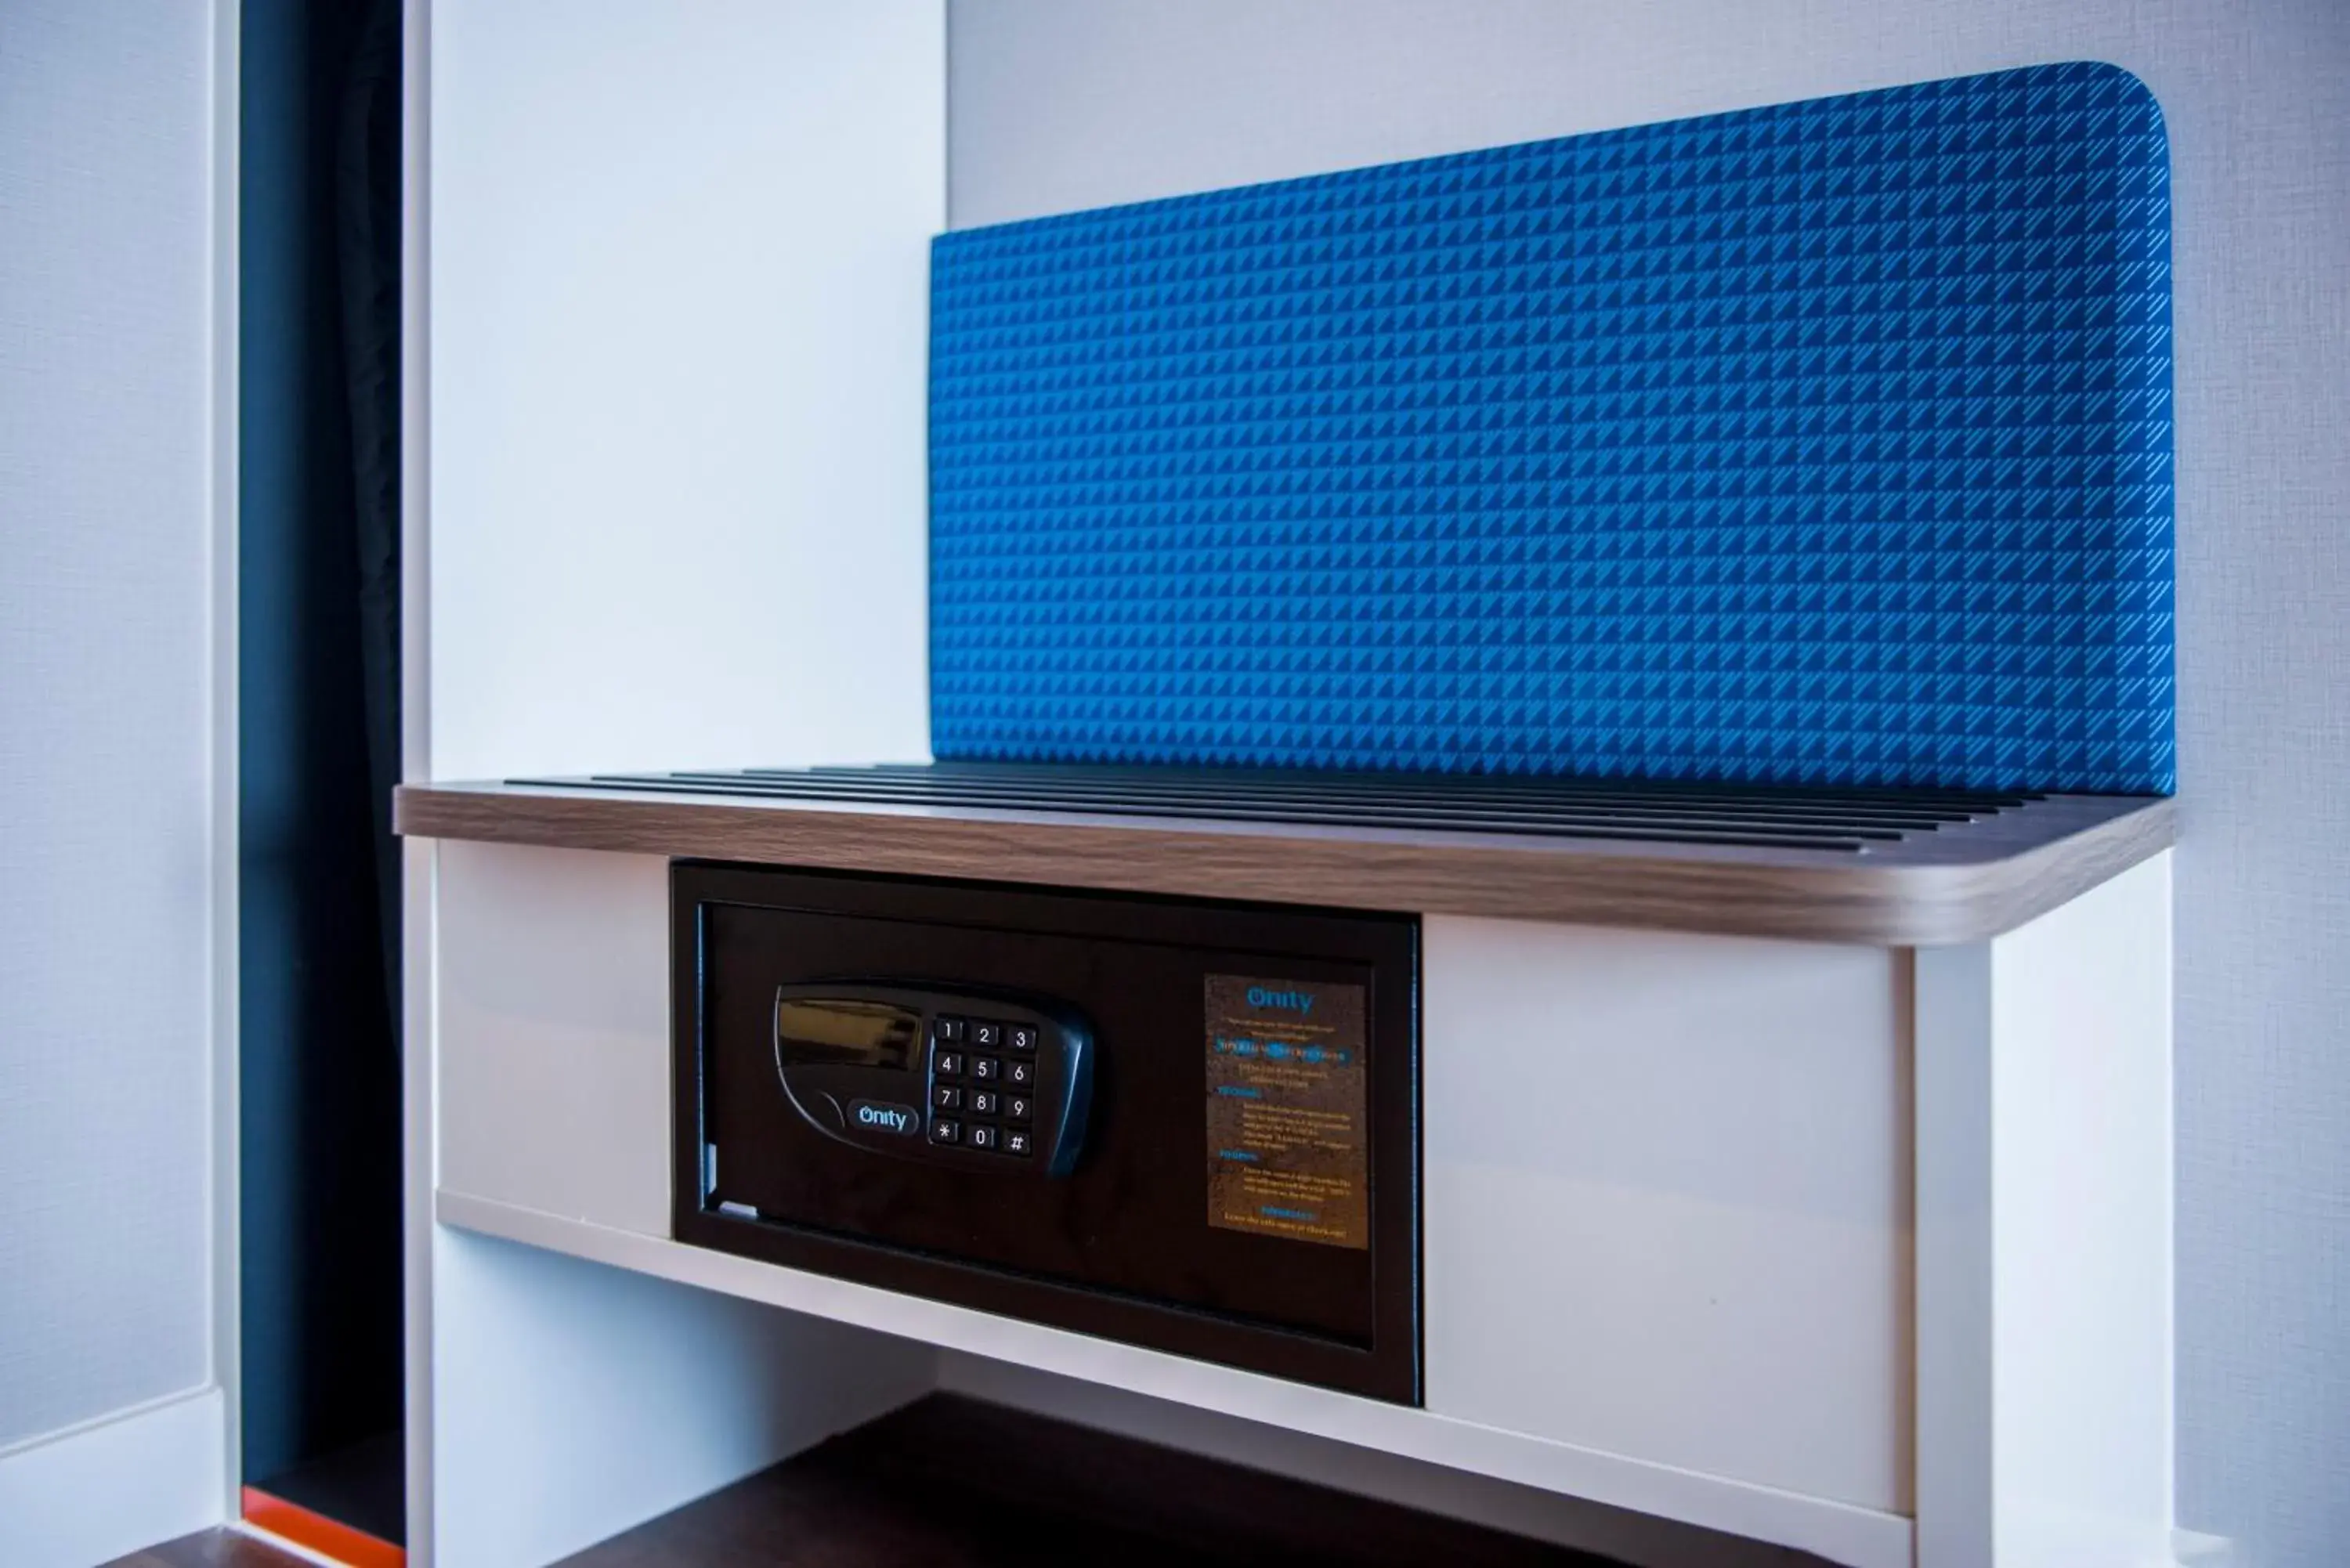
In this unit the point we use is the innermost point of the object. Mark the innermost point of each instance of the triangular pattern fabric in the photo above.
(1823, 443)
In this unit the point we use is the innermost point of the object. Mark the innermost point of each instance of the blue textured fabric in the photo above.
(1829, 444)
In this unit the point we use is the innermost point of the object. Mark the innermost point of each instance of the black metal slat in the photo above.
(1498, 803)
(1481, 793)
(1969, 801)
(1695, 813)
(1363, 813)
(654, 785)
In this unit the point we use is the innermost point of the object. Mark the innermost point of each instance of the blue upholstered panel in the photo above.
(1828, 442)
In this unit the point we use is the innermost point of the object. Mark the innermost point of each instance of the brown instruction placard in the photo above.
(1289, 1150)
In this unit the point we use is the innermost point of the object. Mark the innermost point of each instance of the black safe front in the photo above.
(1185, 1125)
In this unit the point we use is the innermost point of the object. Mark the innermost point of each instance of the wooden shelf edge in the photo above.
(1934, 897)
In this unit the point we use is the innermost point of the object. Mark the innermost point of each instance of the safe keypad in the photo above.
(982, 1072)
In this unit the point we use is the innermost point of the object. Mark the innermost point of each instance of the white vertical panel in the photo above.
(572, 1401)
(1954, 1256)
(419, 1146)
(2081, 1204)
(2081, 1185)
(679, 340)
(1666, 1199)
(2044, 1322)
(223, 318)
(666, 352)
(418, 1117)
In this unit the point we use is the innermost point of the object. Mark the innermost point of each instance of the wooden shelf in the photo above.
(950, 1482)
(1965, 881)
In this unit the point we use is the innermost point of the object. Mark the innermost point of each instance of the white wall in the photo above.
(678, 274)
(106, 577)
(105, 567)
(1059, 104)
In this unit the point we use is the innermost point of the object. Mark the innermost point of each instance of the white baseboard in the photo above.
(92, 1493)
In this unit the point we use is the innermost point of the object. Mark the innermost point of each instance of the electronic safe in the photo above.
(1185, 1125)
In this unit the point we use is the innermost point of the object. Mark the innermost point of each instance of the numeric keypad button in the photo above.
(947, 1063)
(1018, 1075)
(1020, 1039)
(989, 1069)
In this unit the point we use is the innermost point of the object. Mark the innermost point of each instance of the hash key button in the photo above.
(1015, 1142)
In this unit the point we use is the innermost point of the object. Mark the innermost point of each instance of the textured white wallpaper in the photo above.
(105, 566)
(1060, 104)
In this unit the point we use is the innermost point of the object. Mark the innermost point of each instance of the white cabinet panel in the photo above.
(553, 1032)
(1668, 1199)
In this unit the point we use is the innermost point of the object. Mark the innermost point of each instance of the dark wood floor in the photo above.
(210, 1549)
(954, 1483)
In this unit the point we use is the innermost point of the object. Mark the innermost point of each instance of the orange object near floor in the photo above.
(316, 1532)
